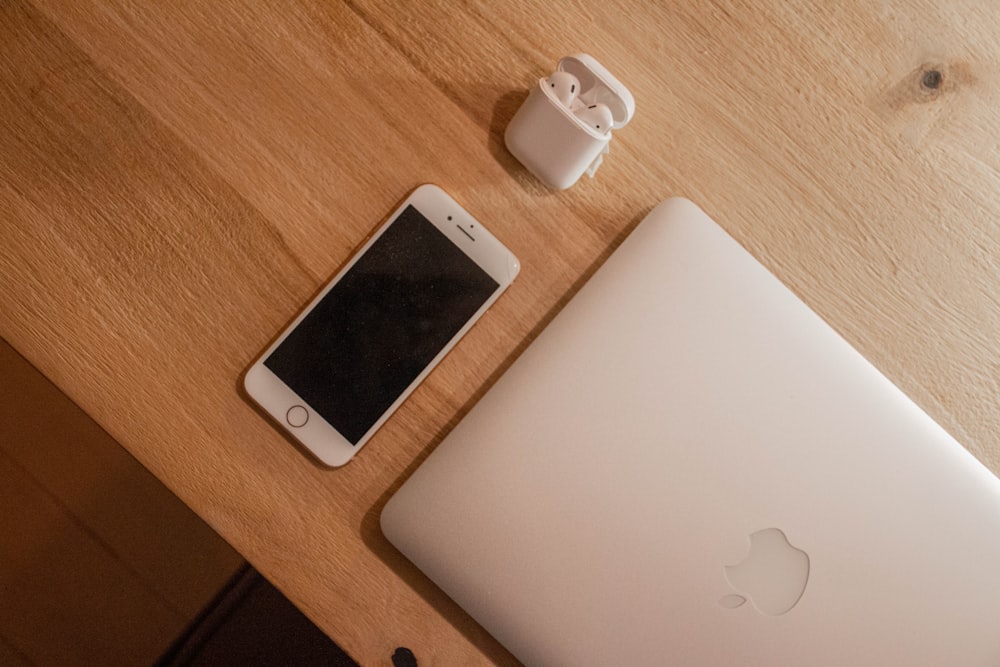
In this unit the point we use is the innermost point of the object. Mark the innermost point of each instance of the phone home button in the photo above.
(297, 416)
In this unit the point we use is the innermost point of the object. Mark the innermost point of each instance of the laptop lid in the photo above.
(688, 466)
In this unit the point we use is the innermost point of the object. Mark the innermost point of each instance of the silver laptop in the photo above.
(689, 467)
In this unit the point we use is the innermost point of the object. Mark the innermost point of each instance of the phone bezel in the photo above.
(276, 398)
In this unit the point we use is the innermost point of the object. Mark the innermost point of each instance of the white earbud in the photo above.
(597, 116)
(564, 86)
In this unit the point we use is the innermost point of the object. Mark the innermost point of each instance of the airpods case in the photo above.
(551, 140)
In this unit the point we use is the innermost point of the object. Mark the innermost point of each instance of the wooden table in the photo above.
(177, 178)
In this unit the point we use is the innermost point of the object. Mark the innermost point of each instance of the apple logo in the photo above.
(773, 576)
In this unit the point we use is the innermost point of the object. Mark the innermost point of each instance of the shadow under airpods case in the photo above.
(549, 137)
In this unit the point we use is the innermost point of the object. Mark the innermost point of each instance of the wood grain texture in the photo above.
(177, 178)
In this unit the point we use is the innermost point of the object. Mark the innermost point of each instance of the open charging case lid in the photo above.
(597, 84)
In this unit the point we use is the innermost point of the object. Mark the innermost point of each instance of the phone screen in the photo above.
(381, 324)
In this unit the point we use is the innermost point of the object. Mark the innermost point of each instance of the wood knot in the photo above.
(928, 83)
(931, 79)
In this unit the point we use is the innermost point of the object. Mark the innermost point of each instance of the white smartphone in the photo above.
(354, 354)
